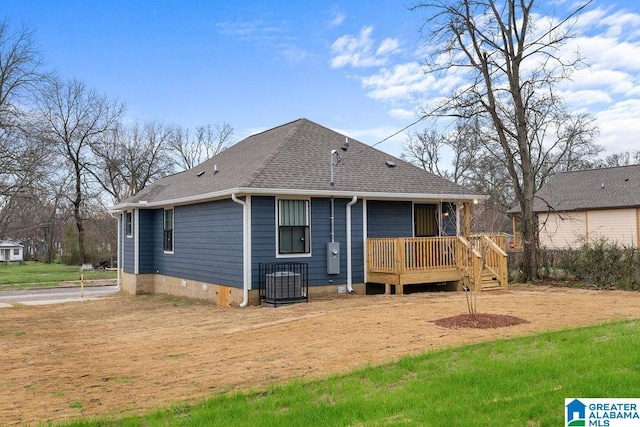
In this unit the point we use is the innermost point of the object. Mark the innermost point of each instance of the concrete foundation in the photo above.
(224, 296)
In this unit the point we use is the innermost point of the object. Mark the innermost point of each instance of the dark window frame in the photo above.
(294, 233)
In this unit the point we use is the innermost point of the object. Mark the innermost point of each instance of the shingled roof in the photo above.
(295, 158)
(603, 188)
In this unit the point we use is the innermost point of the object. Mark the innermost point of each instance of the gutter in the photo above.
(349, 278)
(246, 256)
(293, 191)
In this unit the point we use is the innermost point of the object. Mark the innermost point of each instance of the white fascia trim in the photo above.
(296, 192)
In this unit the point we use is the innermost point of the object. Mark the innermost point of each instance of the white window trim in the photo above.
(277, 209)
(173, 230)
(129, 235)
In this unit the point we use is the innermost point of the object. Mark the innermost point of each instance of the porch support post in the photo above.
(400, 261)
(466, 226)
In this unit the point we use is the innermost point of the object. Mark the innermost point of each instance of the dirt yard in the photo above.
(122, 355)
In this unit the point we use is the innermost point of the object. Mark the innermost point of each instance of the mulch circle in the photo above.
(479, 321)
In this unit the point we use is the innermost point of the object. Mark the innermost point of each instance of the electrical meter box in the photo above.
(333, 258)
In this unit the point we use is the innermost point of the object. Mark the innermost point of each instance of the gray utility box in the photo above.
(333, 258)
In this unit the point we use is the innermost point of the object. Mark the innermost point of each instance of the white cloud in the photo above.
(388, 46)
(607, 52)
(585, 98)
(338, 19)
(360, 51)
(611, 81)
(620, 126)
(403, 114)
(607, 22)
(608, 41)
(397, 83)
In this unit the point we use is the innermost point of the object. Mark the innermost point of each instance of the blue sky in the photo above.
(353, 66)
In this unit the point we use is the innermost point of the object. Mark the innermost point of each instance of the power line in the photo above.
(401, 130)
(344, 157)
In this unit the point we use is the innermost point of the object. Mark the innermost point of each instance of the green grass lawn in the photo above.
(32, 275)
(515, 382)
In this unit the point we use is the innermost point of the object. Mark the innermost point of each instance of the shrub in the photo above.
(604, 264)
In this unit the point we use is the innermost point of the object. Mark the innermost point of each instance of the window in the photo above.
(425, 221)
(293, 227)
(16, 252)
(128, 223)
(167, 229)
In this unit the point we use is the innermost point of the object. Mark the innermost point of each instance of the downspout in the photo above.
(349, 279)
(118, 255)
(246, 261)
(118, 218)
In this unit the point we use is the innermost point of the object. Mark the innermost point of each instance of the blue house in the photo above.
(300, 194)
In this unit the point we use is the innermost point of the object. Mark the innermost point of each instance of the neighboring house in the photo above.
(297, 193)
(11, 251)
(574, 208)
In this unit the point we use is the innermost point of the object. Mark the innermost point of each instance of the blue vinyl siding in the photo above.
(207, 243)
(449, 221)
(389, 219)
(263, 243)
(127, 256)
(146, 239)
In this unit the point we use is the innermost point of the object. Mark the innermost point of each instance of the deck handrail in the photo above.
(497, 261)
(469, 261)
(472, 258)
(397, 255)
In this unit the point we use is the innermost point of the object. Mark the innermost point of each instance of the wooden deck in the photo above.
(480, 261)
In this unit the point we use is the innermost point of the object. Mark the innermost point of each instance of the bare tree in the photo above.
(73, 119)
(512, 69)
(620, 159)
(20, 73)
(21, 155)
(429, 149)
(193, 148)
(128, 158)
(425, 149)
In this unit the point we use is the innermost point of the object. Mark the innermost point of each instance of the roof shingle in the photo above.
(296, 156)
(614, 187)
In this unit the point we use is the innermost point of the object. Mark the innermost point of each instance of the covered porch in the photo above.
(479, 262)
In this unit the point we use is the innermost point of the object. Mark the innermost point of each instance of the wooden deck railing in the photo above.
(499, 239)
(495, 255)
(408, 256)
(398, 255)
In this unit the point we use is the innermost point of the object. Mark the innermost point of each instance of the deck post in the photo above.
(466, 226)
(399, 255)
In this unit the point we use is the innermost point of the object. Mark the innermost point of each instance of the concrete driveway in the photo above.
(54, 296)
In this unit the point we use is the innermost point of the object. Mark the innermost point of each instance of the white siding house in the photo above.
(11, 251)
(580, 207)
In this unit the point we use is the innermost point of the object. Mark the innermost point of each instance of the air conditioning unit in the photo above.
(283, 285)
